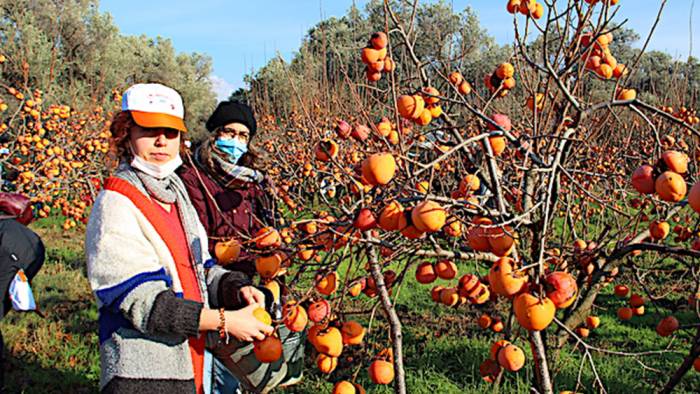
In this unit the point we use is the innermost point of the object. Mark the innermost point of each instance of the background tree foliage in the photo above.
(77, 56)
(329, 58)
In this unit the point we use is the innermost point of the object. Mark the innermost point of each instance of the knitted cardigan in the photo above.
(143, 320)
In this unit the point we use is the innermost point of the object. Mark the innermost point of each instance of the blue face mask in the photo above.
(233, 147)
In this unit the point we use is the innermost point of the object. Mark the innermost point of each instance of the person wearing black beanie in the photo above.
(234, 199)
(232, 112)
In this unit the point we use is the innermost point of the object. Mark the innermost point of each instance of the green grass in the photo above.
(59, 353)
(443, 346)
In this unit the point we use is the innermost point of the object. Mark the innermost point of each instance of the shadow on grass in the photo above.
(72, 259)
(22, 376)
(78, 317)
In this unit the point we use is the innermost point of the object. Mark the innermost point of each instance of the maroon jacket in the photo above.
(238, 206)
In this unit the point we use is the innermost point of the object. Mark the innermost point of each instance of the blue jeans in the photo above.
(217, 378)
(206, 379)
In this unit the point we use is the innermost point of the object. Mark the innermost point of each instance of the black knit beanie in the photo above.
(232, 111)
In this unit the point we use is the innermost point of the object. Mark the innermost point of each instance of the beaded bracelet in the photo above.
(222, 325)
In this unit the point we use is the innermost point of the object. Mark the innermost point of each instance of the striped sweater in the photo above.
(144, 322)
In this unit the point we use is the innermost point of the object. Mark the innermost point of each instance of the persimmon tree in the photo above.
(533, 187)
(554, 191)
(56, 155)
(60, 80)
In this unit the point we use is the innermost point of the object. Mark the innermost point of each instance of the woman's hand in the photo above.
(242, 325)
(252, 296)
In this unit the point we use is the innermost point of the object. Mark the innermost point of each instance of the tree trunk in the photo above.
(544, 380)
(394, 322)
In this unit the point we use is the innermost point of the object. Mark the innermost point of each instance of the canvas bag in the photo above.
(255, 376)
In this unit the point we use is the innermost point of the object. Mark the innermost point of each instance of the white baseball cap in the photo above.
(154, 105)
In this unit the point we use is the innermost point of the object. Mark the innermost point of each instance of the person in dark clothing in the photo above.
(227, 185)
(20, 248)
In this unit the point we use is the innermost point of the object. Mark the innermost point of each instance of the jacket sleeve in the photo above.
(173, 315)
(130, 280)
(229, 291)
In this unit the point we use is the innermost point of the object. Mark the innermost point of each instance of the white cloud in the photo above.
(222, 87)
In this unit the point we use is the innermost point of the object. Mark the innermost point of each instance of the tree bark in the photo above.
(582, 311)
(544, 380)
(394, 322)
(686, 365)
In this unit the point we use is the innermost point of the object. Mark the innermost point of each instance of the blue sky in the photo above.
(241, 36)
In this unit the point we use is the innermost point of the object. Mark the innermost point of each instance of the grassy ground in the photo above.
(443, 347)
(59, 353)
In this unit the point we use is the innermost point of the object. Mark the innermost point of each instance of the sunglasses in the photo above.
(167, 132)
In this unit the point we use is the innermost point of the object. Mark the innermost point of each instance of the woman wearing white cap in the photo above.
(148, 261)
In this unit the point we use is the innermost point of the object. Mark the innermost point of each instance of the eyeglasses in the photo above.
(235, 133)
